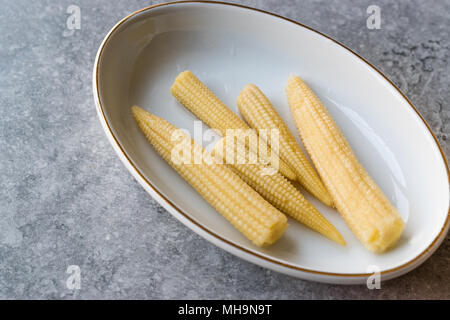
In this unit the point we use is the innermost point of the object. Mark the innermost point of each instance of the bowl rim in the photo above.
(414, 262)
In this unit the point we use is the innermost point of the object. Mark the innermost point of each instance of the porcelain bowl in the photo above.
(228, 46)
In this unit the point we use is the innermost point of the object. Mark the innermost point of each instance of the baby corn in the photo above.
(277, 190)
(261, 115)
(203, 103)
(364, 207)
(219, 186)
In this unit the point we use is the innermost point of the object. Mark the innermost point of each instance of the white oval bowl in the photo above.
(228, 46)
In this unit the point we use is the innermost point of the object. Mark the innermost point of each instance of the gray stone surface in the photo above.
(66, 199)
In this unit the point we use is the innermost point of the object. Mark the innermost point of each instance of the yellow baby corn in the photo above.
(364, 207)
(203, 103)
(261, 115)
(218, 185)
(277, 190)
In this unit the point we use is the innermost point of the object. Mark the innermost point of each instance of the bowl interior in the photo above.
(229, 47)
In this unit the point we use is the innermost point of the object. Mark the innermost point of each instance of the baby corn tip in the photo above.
(137, 111)
(140, 114)
(338, 239)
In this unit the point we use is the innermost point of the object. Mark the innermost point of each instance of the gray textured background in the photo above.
(65, 198)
